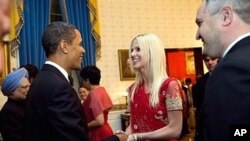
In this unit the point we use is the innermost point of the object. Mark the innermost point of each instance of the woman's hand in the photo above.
(131, 137)
(135, 137)
(121, 135)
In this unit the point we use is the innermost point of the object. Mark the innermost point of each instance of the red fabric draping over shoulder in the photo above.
(98, 101)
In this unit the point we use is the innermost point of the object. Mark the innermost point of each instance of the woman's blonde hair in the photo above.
(152, 49)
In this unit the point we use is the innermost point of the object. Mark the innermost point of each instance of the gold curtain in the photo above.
(17, 21)
(92, 5)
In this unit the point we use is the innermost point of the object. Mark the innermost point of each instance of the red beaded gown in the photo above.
(145, 118)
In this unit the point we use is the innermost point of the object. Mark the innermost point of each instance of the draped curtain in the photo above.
(17, 21)
(93, 12)
(77, 13)
(36, 18)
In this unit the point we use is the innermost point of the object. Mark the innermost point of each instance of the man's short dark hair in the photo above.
(32, 70)
(54, 34)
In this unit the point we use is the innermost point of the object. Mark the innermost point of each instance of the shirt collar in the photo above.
(63, 71)
(234, 42)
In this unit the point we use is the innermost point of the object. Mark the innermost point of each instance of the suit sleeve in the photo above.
(112, 138)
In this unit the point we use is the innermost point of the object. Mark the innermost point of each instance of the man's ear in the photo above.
(64, 46)
(227, 15)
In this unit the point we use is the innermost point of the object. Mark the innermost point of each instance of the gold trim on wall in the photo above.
(5, 60)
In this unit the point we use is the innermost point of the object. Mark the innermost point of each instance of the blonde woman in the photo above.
(155, 99)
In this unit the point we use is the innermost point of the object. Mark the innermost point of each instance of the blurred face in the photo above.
(210, 63)
(208, 32)
(83, 93)
(138, 60)
(4, 17)
(21, 92)
(5, 6)
(76, 52)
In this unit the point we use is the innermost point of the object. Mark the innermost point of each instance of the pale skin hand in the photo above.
(122, 137)
(172, 130)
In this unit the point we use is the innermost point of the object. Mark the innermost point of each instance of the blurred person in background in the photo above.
(12, 115)
(83, 93)
(198, 93)
(4, 17)
(32, 70)
(97, 105)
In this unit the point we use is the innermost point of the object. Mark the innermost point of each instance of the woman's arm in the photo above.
(172, 130)
(99, 121)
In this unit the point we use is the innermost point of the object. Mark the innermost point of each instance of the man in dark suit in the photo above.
(224, 28)
(54, 110)
(53, 107)
(12, 116)
(198, 93)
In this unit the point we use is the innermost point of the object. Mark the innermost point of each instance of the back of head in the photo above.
(13, 81)
(32, 70)
(241, 7)
(54, 34)
(92, 73)
(188, 81)
(204, 54)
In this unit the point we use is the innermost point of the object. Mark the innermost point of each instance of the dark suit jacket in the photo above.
(112, 138)
(198, 98)
(198, 91)
(12, 121)
(53, 109)
(227, 94)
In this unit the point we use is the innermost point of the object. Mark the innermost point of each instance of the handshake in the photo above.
(122, 136)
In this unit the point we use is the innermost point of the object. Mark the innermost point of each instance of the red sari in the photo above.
(98, 101)
(145, 118)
